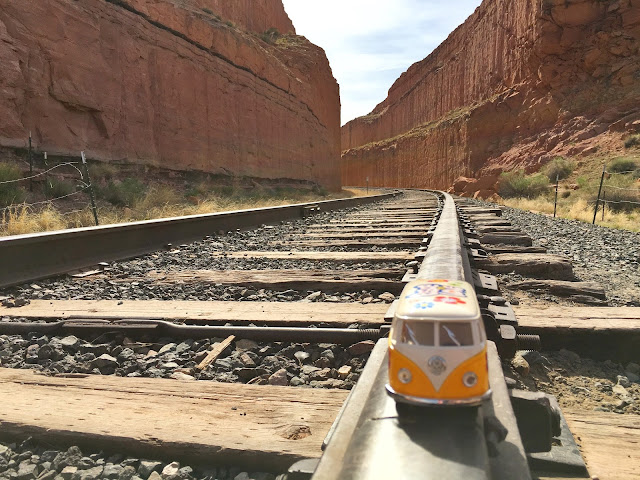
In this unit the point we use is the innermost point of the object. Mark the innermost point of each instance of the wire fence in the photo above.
(80, 177)
(620, 197)
(46, 172)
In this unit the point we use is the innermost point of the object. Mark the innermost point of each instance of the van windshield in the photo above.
(418, 333)
(455, 334)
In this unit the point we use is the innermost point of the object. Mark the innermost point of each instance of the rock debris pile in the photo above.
(579, 382)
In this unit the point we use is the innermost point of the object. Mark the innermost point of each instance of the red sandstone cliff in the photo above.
(181, 84)
(518, 83)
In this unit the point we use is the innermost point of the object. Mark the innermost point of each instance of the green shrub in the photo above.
(582, 182)
(622, 165)
(271, 35)
(123, 193)
(224, 191)
(559, 168)
(622, 200)
(622, 189)
(58, 188)
(10, 193)
(102, 171)
(632, 141)
(517, 184)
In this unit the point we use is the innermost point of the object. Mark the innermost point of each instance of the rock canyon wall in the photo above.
(179, 84)
(518, 83)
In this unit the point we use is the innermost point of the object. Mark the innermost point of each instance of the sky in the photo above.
(370, 43)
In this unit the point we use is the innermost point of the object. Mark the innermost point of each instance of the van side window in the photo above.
(455, 334)
(418, 333)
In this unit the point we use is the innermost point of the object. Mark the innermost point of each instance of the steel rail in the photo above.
(30, 257)
(444, 255)
(372, 440)
(157, 328)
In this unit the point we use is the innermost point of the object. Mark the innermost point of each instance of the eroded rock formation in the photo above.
(180, 84)
(515, 85)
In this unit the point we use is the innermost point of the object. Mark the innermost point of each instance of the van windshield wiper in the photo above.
(452, 335)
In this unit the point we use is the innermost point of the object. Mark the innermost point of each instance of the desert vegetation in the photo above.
(578, 188)
(122, 197)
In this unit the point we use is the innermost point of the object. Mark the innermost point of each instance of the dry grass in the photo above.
(20, 220)
(158, 202)
(578, 209)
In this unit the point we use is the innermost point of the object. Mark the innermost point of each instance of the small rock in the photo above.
(185, 472)
(361, 347)
(309, 369)
(112, 471)
(105, 360)
(242, 476)
(387, 297)
(183, 347)
(344, 371)
(181, 376)
(147, 466)
(244, 345)
(623, 381)
(621, 403)
(301, 355)
(296, 382)
(511, 383)
(535, 358)
(155, 476)
(279, 378)
(170, 470)
(27, 471)
(620, 391)
(246, 360)
(520, 365)
(320, 375)
(322, 362)
(68, 472)
(70, 342)
(313, 296)
(166, 348)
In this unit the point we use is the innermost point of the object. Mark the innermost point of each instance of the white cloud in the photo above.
(371, 42)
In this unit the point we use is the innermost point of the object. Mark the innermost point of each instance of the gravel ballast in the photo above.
(604, 255)
(29, 461)
(323, 365)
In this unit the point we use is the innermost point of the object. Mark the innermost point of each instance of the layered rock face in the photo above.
(252, 15)
(515, 85)
(179, 84)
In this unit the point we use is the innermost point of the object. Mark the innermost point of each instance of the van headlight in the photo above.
(470, 379)
(404, 375)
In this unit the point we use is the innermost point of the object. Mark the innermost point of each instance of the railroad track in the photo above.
(289, 320)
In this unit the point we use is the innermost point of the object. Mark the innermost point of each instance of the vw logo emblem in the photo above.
(437, 365)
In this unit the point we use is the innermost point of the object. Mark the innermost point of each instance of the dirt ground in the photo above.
(578, 382)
